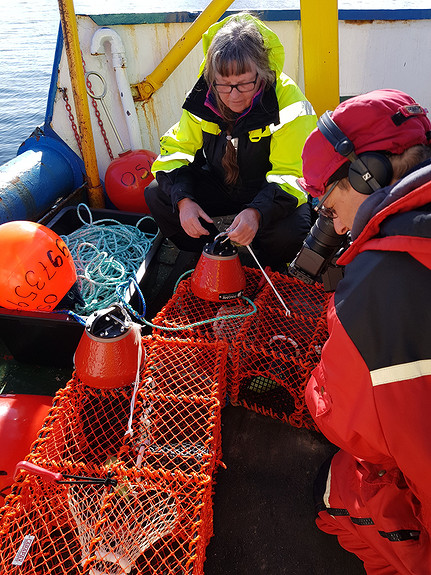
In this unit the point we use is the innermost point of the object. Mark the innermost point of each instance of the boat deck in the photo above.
(263, 504)
(263, 507)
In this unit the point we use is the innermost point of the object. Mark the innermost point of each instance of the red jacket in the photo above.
(371, 393)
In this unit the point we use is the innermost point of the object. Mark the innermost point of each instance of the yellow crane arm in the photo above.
(145, 89)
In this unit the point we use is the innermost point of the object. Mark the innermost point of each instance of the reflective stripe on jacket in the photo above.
(370, 394)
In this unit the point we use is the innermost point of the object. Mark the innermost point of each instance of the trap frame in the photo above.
(140, 497)
(271, 353)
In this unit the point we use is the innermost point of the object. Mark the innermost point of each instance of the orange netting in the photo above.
(145, 458)
(146, 504)
(271, 354)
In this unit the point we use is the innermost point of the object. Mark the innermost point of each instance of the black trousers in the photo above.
(275, 244)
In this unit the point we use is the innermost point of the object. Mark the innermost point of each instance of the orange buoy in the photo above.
(126, 179)
(21, 417)
(36, 267)
(109, 353)
(218, 275)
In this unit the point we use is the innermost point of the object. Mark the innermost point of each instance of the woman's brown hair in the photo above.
(236, 49)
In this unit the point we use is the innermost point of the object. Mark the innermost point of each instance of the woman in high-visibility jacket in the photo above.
(237, 148)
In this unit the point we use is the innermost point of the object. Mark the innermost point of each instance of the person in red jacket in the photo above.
(369, 163)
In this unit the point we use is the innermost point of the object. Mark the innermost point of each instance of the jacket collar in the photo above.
(413, 191)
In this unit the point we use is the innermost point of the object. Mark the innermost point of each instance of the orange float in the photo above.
(36, 267)
(218, 275)
(21, 418)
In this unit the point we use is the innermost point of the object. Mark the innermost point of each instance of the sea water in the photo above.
(28, 33)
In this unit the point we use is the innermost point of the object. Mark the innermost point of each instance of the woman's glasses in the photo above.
(242, 88)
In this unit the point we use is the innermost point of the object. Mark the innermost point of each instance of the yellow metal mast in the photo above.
(185, 44)
(73, 52)
(319, 25)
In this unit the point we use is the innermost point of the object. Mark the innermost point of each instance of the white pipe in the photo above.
(119, 62)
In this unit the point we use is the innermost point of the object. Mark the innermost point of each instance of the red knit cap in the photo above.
(377, 121)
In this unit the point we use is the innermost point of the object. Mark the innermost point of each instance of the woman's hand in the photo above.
(244, 227)
(190, 212)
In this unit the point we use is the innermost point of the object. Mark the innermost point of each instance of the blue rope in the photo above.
(121, 291)
(106, 254)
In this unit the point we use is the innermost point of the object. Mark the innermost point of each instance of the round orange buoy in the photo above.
(109, 353)
(21, 417)
(126, 179)
(36, 267)
(218, 275)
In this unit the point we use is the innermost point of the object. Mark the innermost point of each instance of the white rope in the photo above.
(270, 282)
(137, 329)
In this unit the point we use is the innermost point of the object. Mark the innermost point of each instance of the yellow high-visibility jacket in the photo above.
(270, 138)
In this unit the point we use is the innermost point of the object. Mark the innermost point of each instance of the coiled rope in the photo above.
(106, 254)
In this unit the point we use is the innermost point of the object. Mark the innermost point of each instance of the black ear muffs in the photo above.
(369, 171)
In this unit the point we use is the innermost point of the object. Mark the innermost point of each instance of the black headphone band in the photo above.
(342, 144)
(369, 171)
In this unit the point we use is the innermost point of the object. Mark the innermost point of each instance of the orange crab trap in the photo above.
(275, 351)
(271, 352)
(177, 416)
(121, 479)
(149, 522)
(186, 315)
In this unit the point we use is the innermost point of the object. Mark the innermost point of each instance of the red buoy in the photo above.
(126, 179)
(21, 418)
(36, 267)
(109, 353)
(218, 275)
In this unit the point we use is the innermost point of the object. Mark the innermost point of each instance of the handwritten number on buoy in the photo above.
(38, 284)
(63, 248)
(129, 178)
(35, 285)
(49, 274)
(57, 261)
(20, 294)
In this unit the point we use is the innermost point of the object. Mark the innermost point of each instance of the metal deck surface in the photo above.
(263, 504)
